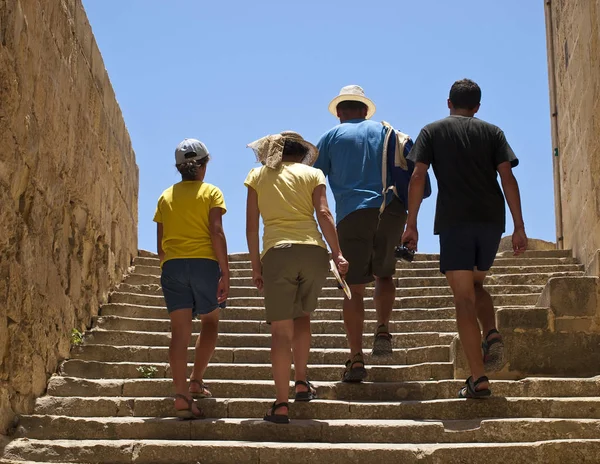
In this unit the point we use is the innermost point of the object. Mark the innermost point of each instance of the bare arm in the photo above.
(416, 189)
(327, 225)
(217, 236)
(512, 194)
(252, 223)
(159, 237)
(513, 198)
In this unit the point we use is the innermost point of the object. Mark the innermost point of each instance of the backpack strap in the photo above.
(384, 158)
(399, 159)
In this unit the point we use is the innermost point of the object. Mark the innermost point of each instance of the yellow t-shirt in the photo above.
(183, 211)
(285, 203)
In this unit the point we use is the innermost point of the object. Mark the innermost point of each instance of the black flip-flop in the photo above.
(277, 418)
(308, 395)
(470, 391)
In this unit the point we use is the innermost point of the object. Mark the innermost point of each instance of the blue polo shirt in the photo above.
(350, 155)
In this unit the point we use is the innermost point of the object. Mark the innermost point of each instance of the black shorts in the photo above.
(468, 246)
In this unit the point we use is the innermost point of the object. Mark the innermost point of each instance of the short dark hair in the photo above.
(293, 148)
(465, 94)
(189, 169)
(351, 105)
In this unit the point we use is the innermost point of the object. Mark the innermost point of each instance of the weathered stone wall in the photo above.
(68, 191)
(576, 43)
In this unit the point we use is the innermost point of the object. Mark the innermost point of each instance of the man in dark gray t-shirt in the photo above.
(467, 154)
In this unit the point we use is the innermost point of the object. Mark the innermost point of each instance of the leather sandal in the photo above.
(493, 352)
(470, 389)
(308, 395)
(204, 391)
(277, 418)
(353, 373)
(382, 344)
(189, 412)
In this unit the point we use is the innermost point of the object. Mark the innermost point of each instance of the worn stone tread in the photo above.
(144, 353)
(126, 337)
(328, 431)
(235, 452)
(256, 371)
(437, 409)
(254, 326)
(59, 386)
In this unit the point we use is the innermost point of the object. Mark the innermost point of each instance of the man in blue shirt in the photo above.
(350, 154)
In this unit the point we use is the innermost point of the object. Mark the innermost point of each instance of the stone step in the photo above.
(299, 431)
(245, 256)
(258, 313)
(248, 371)
(440, 409)
(334, 303)
(428, 269)
(253, 326)
(144, 354)
(432, 271)
(236, 452)
(59, 386)
(527, 278)
(416, 264)
(400, 340)
(333, 291)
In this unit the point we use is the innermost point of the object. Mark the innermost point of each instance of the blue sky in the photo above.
(228, 73)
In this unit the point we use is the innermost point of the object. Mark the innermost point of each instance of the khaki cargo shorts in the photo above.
(368, 243)
(294, 276)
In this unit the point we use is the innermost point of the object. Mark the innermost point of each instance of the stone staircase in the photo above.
(101, 409)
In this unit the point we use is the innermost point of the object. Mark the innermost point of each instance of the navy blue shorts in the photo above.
(191, 283)
(468, 246)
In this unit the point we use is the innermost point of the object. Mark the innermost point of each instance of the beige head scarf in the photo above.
(269, 149)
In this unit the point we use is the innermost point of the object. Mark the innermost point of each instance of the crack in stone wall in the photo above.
(68, 191)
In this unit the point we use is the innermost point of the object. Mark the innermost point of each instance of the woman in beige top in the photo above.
(286, 191)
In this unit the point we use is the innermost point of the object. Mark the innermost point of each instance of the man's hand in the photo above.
(519, 240)
(341, 263)
(223, 289)
(410, 238)
(257, 279)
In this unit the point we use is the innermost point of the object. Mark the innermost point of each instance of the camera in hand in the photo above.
(403, 253)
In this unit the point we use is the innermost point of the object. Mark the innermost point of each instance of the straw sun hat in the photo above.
(269, 149)
(352, 93)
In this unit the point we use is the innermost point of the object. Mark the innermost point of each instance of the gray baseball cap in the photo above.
(190, 150)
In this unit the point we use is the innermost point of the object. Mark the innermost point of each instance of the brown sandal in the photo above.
(189, 412)
(204, 391)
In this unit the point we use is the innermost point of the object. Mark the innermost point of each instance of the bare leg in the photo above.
(354, 318)
(181, 332)
(301, 349)
(484, 304)
(282, 334)
(205, 346)
(385, 295)
(463, 288)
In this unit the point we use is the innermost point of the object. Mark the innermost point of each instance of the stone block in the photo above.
(566, 354)
(521, 319)
(577, 324)
(571, 296)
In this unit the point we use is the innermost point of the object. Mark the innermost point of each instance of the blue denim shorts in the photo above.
(191, 283)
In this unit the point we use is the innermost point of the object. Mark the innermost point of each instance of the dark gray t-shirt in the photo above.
(465, 153)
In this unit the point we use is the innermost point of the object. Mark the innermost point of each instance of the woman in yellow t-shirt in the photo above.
(286, 191)
(195, 271)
